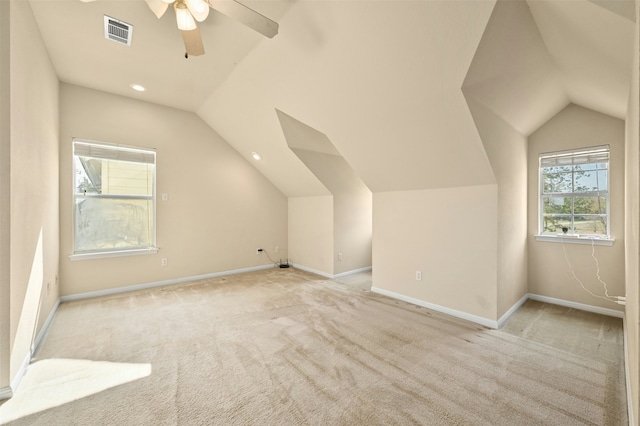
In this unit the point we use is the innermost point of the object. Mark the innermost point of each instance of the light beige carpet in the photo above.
(284, 347)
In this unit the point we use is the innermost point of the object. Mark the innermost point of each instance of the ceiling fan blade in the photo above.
(193, 42)
(246, 16)
(158, 7)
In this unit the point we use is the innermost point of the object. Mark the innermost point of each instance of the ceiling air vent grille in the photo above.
(117, 30)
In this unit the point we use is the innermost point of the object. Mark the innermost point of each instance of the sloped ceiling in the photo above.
(591, 46)
(318, 153)
(382, 79)
(73, 33)
(512, 72)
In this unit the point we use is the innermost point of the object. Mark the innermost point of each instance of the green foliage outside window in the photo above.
(574, 198)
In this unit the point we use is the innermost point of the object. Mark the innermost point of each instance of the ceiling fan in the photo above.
(190, 11)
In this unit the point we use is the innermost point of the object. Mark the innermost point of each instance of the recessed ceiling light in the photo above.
(137, 87)
(256, 156)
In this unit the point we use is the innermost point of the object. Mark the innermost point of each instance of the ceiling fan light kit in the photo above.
(183, 17)
(198, 8)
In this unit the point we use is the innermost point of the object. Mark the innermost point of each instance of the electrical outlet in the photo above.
(165, 261)
(165, 196)
(339, 256)
(258, 250)
(277, 249)
(418, 276)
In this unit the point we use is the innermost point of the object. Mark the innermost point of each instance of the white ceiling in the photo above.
(381, 79)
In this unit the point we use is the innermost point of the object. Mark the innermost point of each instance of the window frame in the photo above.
(101, 253)
(600, 239)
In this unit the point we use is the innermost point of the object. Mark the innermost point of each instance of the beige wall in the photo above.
(549, 273)
(351, 216)
(507, 151)
(450, 235)
(220, 209)
(352, 219)
(632, 231)
(311, 232)
(34, 235)
(352, 210)
(5, 230)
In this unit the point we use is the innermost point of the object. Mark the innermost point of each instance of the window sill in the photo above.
(576, 239)
(119, 253)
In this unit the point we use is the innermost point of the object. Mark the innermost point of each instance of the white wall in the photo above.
(220, 209)
(311, 232)
(450, 235)
(549, 272)
(34, 234)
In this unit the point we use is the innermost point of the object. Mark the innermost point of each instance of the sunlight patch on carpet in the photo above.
(54, 382)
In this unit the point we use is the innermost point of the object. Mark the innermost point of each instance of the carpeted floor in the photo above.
(284, 347)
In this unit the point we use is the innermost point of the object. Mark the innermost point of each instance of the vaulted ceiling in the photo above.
(381, 79)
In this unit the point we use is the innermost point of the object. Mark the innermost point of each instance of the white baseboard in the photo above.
(5, 393)
(443, 309)
(328, 275)
(21, 371)
(505, 317)
(126, 289)
(576, 305)
(45, 327)
(311, 270)
(354, 271)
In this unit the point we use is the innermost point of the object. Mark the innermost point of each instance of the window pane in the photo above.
(112, 224)
(590, 225)
(111, 177)
(557, 182)
(589, 205)
(592, 180)
(554, 224)
(88, 178)
(556, 205)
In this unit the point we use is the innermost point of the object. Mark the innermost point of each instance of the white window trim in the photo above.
(576, 239)
(118, 253)
(110, 253)
(590, 239)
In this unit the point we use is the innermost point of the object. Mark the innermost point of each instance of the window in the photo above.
(574, 193)
(114, 197)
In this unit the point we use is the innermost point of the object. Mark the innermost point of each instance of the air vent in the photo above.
(117, 30)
